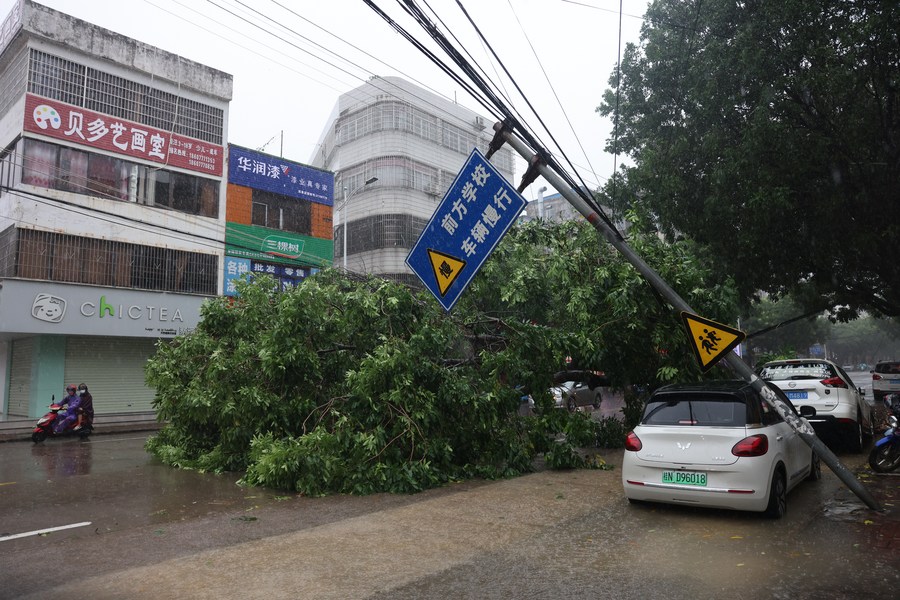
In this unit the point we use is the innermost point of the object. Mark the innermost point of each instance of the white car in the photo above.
(885, 379)
(826, 387)
(715, 444)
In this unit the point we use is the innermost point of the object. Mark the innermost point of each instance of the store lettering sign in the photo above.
(95, 130)
(283, 246)
(135, 312)
(273, 174)
(38, 307)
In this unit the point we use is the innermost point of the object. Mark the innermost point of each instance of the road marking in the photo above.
(42, 531)
(8, 483)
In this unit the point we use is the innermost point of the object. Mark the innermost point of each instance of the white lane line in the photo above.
(42, 531)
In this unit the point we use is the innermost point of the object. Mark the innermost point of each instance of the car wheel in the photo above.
(777, 496)
(571, 404)
(815, 468)
(855, 434)
(597, 400)
(885, 459)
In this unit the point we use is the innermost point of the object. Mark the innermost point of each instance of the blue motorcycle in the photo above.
(885, 456)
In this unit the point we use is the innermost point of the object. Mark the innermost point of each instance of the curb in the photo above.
(19, 430)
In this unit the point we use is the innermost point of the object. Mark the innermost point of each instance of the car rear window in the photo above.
(888, 367)
(689, 410)
(806, 370)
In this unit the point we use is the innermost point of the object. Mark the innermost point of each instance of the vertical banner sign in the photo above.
(472, 218)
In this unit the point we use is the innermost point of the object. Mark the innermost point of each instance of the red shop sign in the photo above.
(95, 130)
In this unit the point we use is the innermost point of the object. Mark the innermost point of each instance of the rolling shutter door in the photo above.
(113, 369)
(20, 377)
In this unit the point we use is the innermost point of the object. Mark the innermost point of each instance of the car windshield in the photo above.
(709, 410)
(804, 370)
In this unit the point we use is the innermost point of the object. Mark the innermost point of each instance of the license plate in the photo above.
(684, 478)
(796, 395)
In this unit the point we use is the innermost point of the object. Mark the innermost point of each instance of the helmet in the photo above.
(70, 388)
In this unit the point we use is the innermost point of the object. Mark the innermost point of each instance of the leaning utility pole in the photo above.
(732, 360)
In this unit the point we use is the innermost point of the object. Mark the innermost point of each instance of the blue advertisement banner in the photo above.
(273, 174)
(235, 268)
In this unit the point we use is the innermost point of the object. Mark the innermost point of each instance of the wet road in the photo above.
(157, 532)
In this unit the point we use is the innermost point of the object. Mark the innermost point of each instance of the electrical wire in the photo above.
(496, 103)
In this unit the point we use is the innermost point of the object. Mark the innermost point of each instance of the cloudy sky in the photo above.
(291, 59)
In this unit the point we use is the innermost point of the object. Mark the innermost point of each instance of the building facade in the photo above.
(278, 218)
(395, 149)
(112, 207)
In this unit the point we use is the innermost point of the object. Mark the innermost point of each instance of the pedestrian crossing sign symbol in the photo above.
(446, 269)
(710, 341)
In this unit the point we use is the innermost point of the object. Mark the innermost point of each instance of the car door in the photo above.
(854, 395)
(795, 452)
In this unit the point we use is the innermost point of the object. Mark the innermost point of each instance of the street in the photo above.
(158, 532)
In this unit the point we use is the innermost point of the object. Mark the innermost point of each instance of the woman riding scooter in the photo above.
(86, 409)
(73, 401)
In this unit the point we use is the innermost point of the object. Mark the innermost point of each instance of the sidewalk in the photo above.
(19, 429)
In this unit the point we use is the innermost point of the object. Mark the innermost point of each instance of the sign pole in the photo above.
(734, 362)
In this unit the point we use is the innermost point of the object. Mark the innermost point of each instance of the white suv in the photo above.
(885, 379)
(826, 387)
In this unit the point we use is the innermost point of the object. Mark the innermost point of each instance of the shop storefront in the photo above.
(54, 334)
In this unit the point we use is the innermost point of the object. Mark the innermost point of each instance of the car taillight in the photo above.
(876, 377)
(633, 442)
(834, 382)
(755, 445)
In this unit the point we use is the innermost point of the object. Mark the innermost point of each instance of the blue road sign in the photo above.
(472, 218)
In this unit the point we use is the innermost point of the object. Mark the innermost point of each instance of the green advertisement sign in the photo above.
(263, 244)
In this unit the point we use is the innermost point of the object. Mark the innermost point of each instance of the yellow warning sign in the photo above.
(446, 269)
(710, 340)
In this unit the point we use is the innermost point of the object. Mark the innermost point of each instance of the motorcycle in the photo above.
(885, 455)
(44, 427)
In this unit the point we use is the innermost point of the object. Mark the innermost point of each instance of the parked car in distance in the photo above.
(885, 379)
(826, 387)
(573, 395)
(715, 444)
(574, 389)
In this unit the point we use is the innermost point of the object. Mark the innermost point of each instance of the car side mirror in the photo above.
(862, 391)
(807, 412)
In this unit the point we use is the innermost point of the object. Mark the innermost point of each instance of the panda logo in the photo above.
(46, 116)
(49, 308)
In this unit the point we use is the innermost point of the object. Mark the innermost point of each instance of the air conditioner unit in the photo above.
(479, 122)
(432, 189)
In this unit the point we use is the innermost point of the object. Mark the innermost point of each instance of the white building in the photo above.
(408, 144)
(112, 207)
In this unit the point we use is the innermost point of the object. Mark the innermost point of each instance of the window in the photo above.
(60, 79)
(712, 410)
(282, 212)
(51, 256)
(58, 167)
(260, 214)
(798, 370)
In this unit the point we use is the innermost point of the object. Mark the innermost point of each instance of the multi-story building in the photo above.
(278, 218)
(112, 207)
(395, 149)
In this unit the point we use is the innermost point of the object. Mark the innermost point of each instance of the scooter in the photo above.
(885, 456)
(44, 427)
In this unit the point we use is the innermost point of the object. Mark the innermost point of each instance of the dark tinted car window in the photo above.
(798, 370)
(708, 410)
(888, 367)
